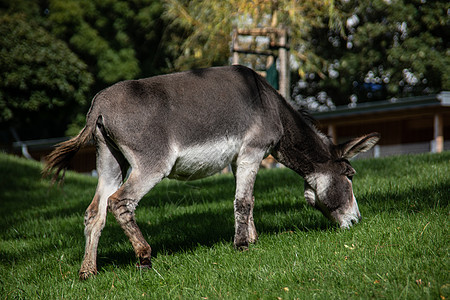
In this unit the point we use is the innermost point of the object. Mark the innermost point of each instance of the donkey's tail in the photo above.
(58, 160)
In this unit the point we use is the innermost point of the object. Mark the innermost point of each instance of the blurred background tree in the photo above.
(207, 27)
(41, 81)
(95, 42)
(381, 49)
(57, 54)
(342, 52)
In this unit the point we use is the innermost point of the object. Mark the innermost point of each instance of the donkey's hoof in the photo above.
(86, 274)
(253, 240)
(144, 267)
(242, 246)
(145, 263)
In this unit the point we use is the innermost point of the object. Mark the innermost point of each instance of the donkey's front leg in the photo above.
(252, 234)
(245, 231)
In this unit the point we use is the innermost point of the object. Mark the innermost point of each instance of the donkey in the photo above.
(191, 125)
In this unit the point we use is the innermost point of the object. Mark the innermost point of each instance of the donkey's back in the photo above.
(195, 122)
(193, 104)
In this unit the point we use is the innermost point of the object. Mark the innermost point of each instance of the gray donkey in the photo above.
(191, 125)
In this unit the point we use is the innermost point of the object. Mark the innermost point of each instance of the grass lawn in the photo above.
(399, 251)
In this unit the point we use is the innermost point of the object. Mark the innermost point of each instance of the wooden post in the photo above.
(235, 58)
(376, 151)
(438, 138)
(332, 133)
(235, 46)
(278, 40)
(284, 65)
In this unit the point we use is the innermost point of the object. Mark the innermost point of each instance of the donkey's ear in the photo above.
(362, 144)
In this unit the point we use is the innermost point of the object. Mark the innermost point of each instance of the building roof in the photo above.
(387, 106)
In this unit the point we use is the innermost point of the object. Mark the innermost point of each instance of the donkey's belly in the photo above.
(203, 160)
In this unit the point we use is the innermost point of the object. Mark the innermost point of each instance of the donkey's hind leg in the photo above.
(123, 204)
(111, 167)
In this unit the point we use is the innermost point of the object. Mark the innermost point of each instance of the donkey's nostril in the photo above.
(356, 220)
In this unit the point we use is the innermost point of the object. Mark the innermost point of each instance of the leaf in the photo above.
(352, 247)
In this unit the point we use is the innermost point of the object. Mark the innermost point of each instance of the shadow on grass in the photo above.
(214, 221)
(412, 200)
(24, 195)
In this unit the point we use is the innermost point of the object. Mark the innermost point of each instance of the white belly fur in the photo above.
(203, 160)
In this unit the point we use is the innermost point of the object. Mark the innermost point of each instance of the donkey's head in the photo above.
(329, 188)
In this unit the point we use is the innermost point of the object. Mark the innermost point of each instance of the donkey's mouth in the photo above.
(347, 221)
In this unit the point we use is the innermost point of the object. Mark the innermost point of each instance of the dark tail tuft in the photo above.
(58, 160)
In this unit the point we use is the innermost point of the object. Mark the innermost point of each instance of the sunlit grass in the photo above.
(399, 251)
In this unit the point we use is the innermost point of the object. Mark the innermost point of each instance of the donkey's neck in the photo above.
(302, 147)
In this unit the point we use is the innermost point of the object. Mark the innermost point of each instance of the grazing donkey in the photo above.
(191, 125)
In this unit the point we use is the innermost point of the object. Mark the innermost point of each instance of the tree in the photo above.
(383, 49)
(118, 39)
(208, 26)
(99, 41)
(41, 80)
(344, 51)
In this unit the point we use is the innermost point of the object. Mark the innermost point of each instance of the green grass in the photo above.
(399, 251)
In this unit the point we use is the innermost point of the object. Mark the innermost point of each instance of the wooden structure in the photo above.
(407, 125)
(278, 46)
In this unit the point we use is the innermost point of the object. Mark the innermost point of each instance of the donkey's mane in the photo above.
(308, 117)
(313, 123)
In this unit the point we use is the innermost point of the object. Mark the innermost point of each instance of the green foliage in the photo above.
(204, 30)
(72, 21)
(205, 27)
(118, 39)
(399, 250)
(382, 49)
(57, 54)
(370, 50)
(39, 73)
